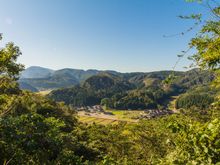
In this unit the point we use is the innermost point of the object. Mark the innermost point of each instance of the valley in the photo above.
(160, 105)
(109, 97)
(114, 90)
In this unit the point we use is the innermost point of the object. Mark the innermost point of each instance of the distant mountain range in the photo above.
(38, 78)
(36, 72)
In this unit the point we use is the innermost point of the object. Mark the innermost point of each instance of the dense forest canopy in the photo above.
(136, 92)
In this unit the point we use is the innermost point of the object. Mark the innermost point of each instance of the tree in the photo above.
(207, 42)
(8, 58)
(198, 143)
(33, 129)
(9, 69)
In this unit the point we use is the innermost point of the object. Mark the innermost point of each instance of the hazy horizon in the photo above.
(108, 69)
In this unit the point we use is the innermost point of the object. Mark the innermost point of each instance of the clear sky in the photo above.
(122, 35)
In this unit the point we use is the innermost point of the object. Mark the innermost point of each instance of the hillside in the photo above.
(47, 79)
(113, 89)
(142, 91)
(92, 91)
(44, 79)
(26, 86)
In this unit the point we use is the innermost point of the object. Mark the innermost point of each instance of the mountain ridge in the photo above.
(40, 78)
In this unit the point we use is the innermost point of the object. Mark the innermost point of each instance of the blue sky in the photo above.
(122, 35)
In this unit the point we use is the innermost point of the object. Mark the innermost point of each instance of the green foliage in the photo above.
(198, 143)
(41, 131)
(30, 134)
(143, 143)
(9, 69)
(195, 144)
(8, 57)
(92, 91)
(34, 130)
(136, 99)
(202, 101)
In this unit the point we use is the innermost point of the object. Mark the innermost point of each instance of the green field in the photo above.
(91, 120)
(126, 114)
(118, 116)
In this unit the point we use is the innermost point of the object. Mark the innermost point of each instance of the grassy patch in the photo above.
(103, 121)
(126, 114)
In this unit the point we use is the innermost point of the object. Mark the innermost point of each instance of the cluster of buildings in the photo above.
(91, 109)
(153, 113)
(147, 114)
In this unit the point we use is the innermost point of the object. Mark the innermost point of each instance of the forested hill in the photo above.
(93, 90)
(131, 91)
(38, 78)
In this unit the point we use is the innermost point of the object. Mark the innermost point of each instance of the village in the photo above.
(99, 112)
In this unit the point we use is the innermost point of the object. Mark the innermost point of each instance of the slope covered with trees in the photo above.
(92, 90)
(139, 91)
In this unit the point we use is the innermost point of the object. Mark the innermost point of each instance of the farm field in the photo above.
(126, 114)
(91, 120)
